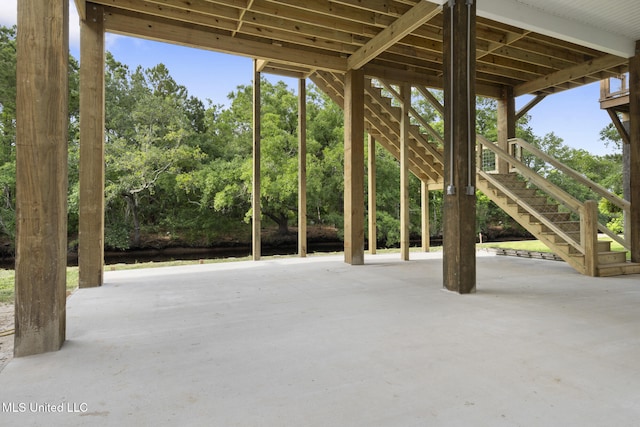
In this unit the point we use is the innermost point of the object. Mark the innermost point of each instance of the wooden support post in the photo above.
(354, 167)
(302, 168)
(506, 124)
(255, 197)
(405, 95)
(424, 199)
(373, 226)
(634, 155)
(589, 236)
(41, 175)
(92, 105)
(459, 263)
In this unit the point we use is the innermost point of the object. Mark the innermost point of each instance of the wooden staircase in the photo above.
(544, 219)
(519, 193)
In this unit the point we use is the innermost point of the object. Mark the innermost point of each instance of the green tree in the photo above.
(8, 133)
(7, 130)
(7, 93)
(150, 141)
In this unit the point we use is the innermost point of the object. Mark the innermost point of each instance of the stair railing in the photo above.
(561, 196)
(518, 147)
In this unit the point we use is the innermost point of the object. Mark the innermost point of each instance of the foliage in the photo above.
(180, 169)
(151, 139)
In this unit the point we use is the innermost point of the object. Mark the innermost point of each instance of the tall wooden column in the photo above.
(424, 205)
(255, 194)
(506, 124)
(302, 168)
(354, 167)
(459, 153)
(405, 95)
(92, 104)
(41, 175)
(373, 225)
(634, 156)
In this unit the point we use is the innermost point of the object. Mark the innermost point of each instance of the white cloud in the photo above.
(9, 17)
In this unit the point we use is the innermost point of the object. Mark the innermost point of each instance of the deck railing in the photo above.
(614, 87)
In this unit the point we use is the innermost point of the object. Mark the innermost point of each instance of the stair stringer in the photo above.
(382, 122)
(531, 220)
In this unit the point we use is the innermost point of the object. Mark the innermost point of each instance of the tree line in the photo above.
(181, 169)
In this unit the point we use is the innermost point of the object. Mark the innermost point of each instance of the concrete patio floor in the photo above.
(316, 342)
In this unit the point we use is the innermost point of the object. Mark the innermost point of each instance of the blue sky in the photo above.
(573, 115)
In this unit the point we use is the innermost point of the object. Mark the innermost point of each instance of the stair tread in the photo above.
(621, 264)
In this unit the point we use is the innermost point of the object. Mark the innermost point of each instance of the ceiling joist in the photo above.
(400, 40)
(414, 18)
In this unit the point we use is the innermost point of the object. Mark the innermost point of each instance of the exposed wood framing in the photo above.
(634, 148)
(435, 102)
(41, 175)
(528, 106)
(459, 254)
(92, 106)
(354, 167)
(506, 124)
(622, 130)
(422, 12)
(194, 36)
(255, 194)
(568, 74)
(371, 183)
(400, 38)
(302, 168)
(589, 236)
(405, 99)
(424, 205)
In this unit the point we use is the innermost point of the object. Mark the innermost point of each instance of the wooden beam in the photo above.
(569, 74)
(405, 76)
(81, 7)
(284, 73)
(459, 213)
(255, 194)
(589, 236)
(261, 64)
(201, 37)
(634, 148)
(92, 117)
(354, 167)
(419, 14)
(526, 108)
(302, 168)
(435, 102)
(405, 122)
(506, 125)
(424, 205)
(622, 131)
(373, 226)
(41, 175)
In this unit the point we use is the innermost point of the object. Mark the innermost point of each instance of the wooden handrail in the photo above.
(560, 195)
(550, 225)
(596, 188)
(573, 204)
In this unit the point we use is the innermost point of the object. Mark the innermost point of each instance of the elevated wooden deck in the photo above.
(614, 94)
